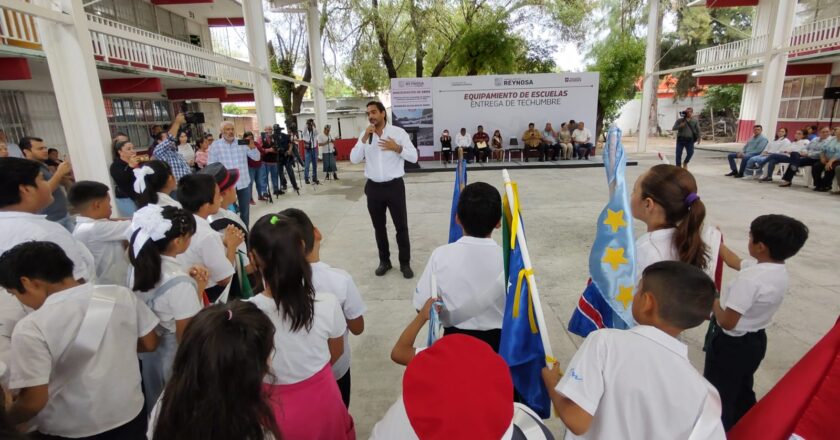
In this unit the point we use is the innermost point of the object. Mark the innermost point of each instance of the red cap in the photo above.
(458, 389)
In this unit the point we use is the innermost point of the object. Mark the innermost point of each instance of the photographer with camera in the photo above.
(310, 147)
(233, 153)
(286, 158)
(167, 150)
(688, 133)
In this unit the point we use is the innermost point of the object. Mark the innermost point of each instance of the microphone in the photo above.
(370, 138)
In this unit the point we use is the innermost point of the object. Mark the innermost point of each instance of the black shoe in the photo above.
(335, 176)
(738, 176)
(406, 271)
(306, 181)
(297, 190)
(384, 266)
(328, 177)
(316, 181)
(822, 189)
(731, 174)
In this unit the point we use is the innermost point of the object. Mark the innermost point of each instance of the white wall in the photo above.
(628, 120)
(212, 116)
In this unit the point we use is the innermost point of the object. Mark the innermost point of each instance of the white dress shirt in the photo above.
(341, 285)
(470, 282)
(756, 293)
(464, 141)
(636, 384)
(106, 241)
(302, 353)
(106, 393)
(384, 165)
(206, 248)
(581, 135)
(776, 146)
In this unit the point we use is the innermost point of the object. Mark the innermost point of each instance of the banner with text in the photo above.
(427, 106)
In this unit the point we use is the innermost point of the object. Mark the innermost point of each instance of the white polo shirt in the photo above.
(470, 281)
(105, 239)
(384, 165)
(206, 248)
(299, 355)
(636, 384)
(582, 135)
(178, 302)
(107, 393)
(756, 293)
(341, 285)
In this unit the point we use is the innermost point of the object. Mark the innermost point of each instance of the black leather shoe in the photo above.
(384, 266)
(731, 173)
(406, 271)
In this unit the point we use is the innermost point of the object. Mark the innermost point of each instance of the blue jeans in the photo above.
(755, 163)
(258, 179)
(311, 158)
(125, 206)
(773, 159)
(270, 171)
(744, 160)
(687, 145)
(243, 199)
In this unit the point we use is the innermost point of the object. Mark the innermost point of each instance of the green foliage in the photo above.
(336, 88)
(726, 98)
(488, 48)
(619, 59)
(232, 109)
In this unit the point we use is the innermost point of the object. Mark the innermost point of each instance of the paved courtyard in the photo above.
(560, 208)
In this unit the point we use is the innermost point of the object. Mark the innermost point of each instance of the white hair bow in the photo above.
(151, 225)
(140, 178)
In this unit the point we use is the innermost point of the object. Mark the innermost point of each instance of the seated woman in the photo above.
(564, 139)
(800, 143)
(774, 147)
(497, 145)
(807, 157)
(446, 146)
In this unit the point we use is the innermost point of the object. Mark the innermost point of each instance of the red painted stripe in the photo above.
(730, 3)
(721, 79)
(238, 97)
(197, 93)
(130, 85)
(225, 22)
(590, 312)
(808, 69)
(14, 69)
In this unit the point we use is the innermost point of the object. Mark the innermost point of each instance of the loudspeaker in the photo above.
(831, 93)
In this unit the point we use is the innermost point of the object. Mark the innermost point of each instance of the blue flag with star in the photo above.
(455, 231)
(521, 345)
(606, 301)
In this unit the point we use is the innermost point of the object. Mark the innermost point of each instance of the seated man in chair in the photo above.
(533, 141)
(481, 142)
(582, 141)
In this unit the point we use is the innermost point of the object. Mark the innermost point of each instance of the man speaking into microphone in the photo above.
(385, 148)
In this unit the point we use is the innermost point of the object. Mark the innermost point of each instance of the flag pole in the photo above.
(526, 259)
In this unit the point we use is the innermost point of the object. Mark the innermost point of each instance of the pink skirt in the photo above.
(311, 409)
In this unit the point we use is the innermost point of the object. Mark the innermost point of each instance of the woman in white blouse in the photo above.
(185, 149)
(775, 146)
(800, 142)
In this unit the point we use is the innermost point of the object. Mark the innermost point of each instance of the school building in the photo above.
(75, 72)
(792, 56)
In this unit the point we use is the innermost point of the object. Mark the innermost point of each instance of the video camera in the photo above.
(191, 117)
(683, 114)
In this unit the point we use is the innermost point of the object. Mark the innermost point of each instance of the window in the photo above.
(135, 118)
(14, 117)
(145, 16)
(802, 98)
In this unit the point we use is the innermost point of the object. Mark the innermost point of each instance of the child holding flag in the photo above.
(470, 271)
(620, 381)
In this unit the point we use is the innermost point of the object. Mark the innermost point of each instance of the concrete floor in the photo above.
(560, 207)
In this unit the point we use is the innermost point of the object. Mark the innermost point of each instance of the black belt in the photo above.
(388, 183)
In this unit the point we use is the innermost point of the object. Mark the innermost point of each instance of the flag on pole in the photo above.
(609, 294)
(524, 342)
(455, 231)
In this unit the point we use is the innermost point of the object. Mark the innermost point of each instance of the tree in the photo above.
(232, 109)
(725, 98)
(619, 59)
(488, 48)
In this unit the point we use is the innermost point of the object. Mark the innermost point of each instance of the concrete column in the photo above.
(316, 63)
(76, 86)
(649, 86)
(258, 54)
(775, 64)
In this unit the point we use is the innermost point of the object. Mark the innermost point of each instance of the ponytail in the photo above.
(147, 262)
(277, 242)
(155, 182)
(675, 190)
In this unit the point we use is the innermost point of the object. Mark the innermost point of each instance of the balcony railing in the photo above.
(808, 39)
(123, 45)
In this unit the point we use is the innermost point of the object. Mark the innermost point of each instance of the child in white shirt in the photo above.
(746, 307)
(469, 273)
(200, 195)
(73, 358)
(173, 293)
(339, 283)
(105, 238)
(153, 183)
(309, 335)
(639, 383)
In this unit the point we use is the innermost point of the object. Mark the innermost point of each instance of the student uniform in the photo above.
(172, 299)
(105, 239)
(100, 396)
(304, 395)
(637, 384)
(219, 221)
(470, 281)
(341, 285)
(733, 356)
(658, 245)
(165, 200)
(207, 249)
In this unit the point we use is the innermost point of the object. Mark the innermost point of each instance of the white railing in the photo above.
(815, 37)
(123, 45)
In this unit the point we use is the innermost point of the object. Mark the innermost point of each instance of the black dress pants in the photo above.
(731, 362)
(389, 196)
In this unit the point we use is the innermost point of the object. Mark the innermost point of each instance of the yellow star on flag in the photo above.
(615, 219)
(614, 257)
(625, 295)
